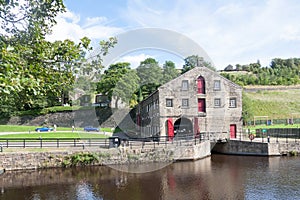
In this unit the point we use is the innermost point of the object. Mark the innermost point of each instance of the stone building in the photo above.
(199, 101)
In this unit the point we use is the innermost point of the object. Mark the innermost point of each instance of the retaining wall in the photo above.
(121, 155)
(193, 152)
(256, 148)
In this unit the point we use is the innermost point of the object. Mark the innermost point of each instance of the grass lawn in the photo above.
(277, 104)
(17, 128)
(272, 126)
(55, 135)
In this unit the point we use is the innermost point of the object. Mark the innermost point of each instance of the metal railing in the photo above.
(149, 142)
(53, 143)
(278, 135)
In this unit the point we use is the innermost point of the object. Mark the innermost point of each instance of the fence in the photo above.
(274, 121)
(50, 142)
(150, 142)
(276, 134)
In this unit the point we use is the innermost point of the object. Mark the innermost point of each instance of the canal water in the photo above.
(215, 177)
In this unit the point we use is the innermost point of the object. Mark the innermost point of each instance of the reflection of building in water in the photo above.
(199, 180)
(121, 180)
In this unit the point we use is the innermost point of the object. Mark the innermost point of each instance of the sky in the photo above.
(229, 31)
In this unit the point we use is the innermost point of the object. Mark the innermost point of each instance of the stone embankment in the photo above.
(98, 156)
(236, 147)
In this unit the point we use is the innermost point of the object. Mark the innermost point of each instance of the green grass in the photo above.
(17, 128)
(54, 135)
(276, 104)
(272, 126)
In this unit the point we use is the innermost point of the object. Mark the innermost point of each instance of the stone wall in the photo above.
(113, 156)
(37, 160)
(256, 148)
(215, 118)
(242, 148)
(193, 152)
(81, 118)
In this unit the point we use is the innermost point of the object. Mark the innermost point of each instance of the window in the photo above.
(156, 104)
(185, 85)
(149, 107)
(169, 102)
(217, 85)
(217, 102)
(185, 103)
(200, 85)
(232, 102)
(201, 105)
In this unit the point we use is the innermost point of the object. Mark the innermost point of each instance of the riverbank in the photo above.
(25, 160)
(49, 158)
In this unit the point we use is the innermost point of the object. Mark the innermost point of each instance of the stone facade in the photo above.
(198, 101)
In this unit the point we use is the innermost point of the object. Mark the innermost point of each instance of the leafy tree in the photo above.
(150, 75)
(35, 73)
(280, 72)
(169, 71)
(195, 61)
(24, 71)
(119, 81)
(127, 87)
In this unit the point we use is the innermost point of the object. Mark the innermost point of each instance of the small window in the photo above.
(169, 102)
(185, 85)
(217, 85)
(232, 102)
(156, 104)
(185, 103)
(217, 102)
(201, 105)
(200, 85)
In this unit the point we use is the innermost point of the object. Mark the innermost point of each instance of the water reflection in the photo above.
(217, 177)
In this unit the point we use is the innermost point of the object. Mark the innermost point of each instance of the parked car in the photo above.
(91, 128)
(43, 129)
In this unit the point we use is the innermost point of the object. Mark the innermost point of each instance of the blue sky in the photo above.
(230, 31)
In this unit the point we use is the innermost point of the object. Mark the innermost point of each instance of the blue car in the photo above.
(91, 128)
(44, 129)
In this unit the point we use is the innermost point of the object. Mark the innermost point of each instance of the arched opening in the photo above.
(200, 85)
(183, 126)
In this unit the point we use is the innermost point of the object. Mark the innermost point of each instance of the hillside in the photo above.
(281, 102)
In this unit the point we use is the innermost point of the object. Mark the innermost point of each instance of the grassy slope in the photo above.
(277, 104)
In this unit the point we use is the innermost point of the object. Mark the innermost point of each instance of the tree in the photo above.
(119, 81)
(24, 51)
(35, 73)
(150, 75)
(127, 87)
(169, 71)
(195, 61)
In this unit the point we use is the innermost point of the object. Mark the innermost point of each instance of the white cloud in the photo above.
(232, 31)
(69, 27)
(90, 21)
(134, 60)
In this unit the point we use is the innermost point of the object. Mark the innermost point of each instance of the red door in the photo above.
(201, 105)
(232, 131)
(170, 128)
